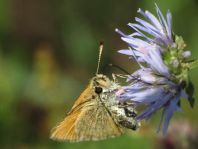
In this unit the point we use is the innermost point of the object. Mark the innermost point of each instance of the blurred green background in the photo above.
(48, 53)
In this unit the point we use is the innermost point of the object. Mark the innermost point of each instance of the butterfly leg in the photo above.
(129, 108)
(115, 76)
(127, 119)
(128, 124)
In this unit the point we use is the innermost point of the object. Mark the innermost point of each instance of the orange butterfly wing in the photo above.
(66, 129)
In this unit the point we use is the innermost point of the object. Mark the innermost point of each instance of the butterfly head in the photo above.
(101, 83)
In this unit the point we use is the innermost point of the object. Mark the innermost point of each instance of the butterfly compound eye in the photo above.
(98, 90)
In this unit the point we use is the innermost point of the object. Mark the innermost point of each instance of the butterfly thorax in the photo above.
(105, 89)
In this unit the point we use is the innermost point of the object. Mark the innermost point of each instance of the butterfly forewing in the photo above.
(66, 129)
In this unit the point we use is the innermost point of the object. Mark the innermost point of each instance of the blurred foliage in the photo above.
(48, 53)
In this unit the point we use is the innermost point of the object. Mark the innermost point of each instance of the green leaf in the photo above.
(193, 64)
(190, 92)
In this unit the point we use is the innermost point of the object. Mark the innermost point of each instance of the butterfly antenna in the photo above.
(120, 68)
(99, 57)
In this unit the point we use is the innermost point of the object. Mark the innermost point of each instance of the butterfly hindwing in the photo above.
(96, 123)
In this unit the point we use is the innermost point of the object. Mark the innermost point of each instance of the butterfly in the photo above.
(96, 114)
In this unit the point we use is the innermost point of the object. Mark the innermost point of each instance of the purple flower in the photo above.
(153, 31)
(162, 79)
(154, 91)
